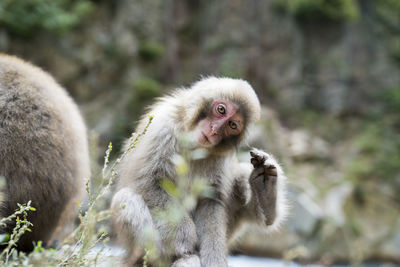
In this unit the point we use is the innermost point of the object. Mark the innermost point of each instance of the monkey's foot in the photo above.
(187, 261)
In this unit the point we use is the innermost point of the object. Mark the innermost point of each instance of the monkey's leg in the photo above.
(134, 225)
(211, 223)
(263, 182)
(178, 239)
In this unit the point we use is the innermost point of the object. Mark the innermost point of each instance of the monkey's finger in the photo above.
(259, 159)
(270, 182)
(257, 156)
(271, 170)
(255, 162)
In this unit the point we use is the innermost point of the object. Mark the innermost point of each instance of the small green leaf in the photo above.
(169, 187)
(4, 237)
(181, 165)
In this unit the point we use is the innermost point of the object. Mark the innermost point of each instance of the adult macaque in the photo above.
(215, 112)
(43, 150)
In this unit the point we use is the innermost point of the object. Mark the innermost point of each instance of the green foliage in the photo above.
(377, 146)
(378, 155)
(151, 51)
(21, 226)
(232, 64)
(24, 17)
(337, 10)
(391, 99)
(146, 88)
(386, 14)
(143, 91)
(395, 50)
(388, 10)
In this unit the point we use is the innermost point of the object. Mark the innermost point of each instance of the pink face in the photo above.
(223, 121)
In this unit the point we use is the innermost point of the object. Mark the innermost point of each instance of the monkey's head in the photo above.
(219, 111)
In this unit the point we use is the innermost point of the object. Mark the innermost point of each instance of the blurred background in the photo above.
(327, 73)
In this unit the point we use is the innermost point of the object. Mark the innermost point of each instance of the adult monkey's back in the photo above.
(43, 149)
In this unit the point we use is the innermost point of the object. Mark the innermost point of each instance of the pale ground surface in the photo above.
(111, 256)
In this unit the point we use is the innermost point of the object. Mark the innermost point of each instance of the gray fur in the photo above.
(207, 229)
(43, 149)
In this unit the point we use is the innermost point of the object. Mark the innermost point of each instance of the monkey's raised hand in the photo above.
(263, 182)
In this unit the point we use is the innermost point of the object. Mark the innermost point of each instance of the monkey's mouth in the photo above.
(204, 139)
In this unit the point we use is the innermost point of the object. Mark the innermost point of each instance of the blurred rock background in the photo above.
(327, 74)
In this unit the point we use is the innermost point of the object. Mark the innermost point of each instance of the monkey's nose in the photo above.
(216, 126)
(214, 129)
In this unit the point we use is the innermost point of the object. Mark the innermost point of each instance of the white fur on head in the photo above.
(235, 90)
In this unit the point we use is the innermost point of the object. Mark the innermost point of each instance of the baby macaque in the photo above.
(215, 112)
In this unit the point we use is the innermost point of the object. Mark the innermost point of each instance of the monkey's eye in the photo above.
(221, 109)
(233, 125)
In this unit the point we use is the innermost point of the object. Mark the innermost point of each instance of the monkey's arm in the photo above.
(135, 218)
(211, 222)
(133, 223)
(260, 191)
